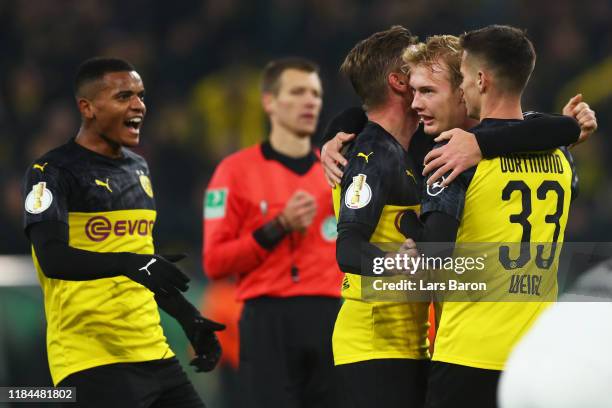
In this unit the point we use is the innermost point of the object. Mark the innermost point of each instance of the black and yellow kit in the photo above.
(108, 206)
(517, 198)
(379, 185)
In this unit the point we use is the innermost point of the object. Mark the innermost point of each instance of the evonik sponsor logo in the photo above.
(99, 228)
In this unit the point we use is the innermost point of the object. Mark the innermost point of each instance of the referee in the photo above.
(269, 222)
(90, 213)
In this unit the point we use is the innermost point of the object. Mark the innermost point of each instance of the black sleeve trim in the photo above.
(543, 132)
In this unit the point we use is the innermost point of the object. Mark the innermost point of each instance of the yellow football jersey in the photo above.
(378, 186)
(520, 198)
(108, 206)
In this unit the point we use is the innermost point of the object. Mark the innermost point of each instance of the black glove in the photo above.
(199, 330)
(156, 272)
(201, 334)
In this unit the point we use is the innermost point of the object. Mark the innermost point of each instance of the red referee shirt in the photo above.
(250, 188)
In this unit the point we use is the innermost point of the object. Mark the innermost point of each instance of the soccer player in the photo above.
(435, 77)
(89, 213)
(527, 202)
(380, 347)
(269, 222)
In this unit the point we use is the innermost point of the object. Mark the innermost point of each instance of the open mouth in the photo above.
(428, 120)
(134, 123)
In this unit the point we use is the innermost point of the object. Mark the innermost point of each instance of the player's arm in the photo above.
(363, 190)
(199, 330)
(538, 131)
(339, 132)
(354, 253)
(47, 189)
(441, 212)
(465, 149)
(58, 260)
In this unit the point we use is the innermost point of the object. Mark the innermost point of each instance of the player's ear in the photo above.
(86, 108)
(459, 96)
(267, 101)
(398, 82)
(482, 81)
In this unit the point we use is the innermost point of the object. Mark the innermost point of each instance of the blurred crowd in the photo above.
(200, 62)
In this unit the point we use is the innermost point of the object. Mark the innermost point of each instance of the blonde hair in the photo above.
(437, 48)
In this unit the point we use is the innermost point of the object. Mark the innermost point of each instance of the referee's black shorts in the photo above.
(452, 385)
(286, 355)
(150, 384)
(389, 383)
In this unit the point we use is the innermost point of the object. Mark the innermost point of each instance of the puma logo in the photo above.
(365, 156)
(40, 167)
(146, 267)
(409, 173)
(103, 184)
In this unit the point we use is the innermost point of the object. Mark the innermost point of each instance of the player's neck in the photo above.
(289, 144)
(469, 123)
(98, 144)
(397, 119)
(501, 106)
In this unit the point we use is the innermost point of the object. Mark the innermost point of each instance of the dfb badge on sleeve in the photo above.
(39, 199)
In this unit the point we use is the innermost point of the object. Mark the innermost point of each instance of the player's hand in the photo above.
(582, 112)
(459, 154)
(201, 334)
(157, 272)
(407, 250)
(409, 247)
(299, 212)
(331, 157)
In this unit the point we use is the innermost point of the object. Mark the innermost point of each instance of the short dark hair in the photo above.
(274, 69)
(504, 49)
(95, 68)
(369, 63)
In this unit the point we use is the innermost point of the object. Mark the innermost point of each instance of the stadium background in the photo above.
(200, 62)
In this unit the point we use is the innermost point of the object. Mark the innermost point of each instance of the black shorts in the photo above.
(389, 383)
(452, 385)
(151, 384)
(286, 355)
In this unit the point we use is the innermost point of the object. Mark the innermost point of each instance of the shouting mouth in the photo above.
(133, 124)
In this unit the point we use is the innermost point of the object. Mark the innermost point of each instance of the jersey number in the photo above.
(522, 219)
